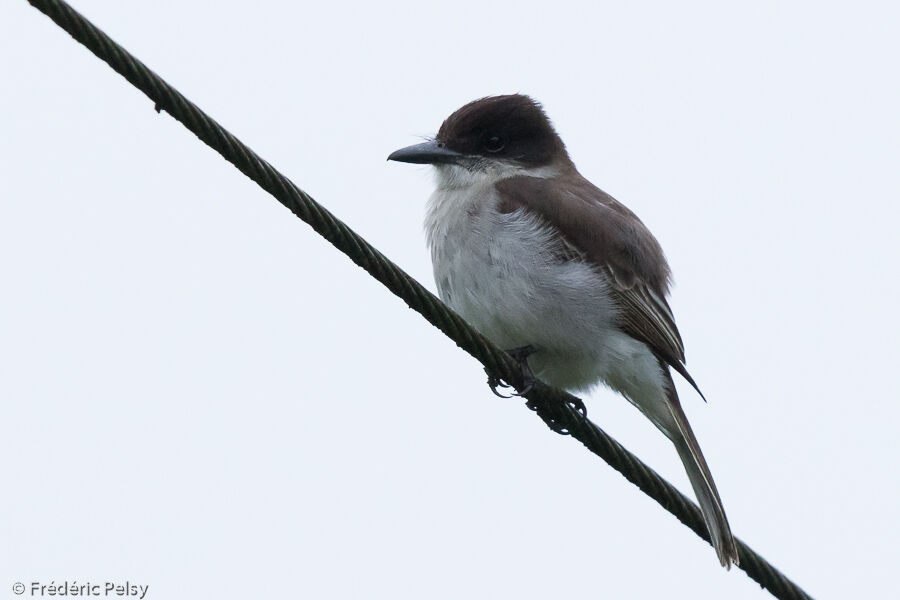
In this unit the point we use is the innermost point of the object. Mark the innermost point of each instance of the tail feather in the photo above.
(702, 482)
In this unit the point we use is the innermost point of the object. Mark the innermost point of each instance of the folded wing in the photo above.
(601, 231)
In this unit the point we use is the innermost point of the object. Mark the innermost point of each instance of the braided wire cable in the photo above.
(557, 408)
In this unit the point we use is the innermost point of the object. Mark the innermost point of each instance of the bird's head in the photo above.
(497, 134)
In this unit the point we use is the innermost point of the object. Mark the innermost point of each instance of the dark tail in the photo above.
(702, 482)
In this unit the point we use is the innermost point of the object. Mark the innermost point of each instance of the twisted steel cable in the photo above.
(560, 410)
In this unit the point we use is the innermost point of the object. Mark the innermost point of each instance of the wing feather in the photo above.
(597, 229)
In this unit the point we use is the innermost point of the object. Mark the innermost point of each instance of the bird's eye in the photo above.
(494, 143)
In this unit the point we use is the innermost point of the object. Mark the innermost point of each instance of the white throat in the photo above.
(465, 196)
(454, 176)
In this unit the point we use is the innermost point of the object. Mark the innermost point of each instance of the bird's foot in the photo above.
(520, 355)
(575, 403)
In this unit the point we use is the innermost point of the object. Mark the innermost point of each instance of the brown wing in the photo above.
(606, 234)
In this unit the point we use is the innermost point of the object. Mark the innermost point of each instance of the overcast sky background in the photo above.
(200, 394)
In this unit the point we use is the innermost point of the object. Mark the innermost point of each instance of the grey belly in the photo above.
(517, 298)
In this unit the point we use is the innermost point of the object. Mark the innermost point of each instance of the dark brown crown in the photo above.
(512, 127)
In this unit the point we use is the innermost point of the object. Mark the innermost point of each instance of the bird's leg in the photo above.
(520, 355)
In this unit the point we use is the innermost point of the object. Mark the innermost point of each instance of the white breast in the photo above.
(504, 275)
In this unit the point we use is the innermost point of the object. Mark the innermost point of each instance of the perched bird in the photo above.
(534, 256)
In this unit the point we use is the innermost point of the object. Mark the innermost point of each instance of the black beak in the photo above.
(429, 153)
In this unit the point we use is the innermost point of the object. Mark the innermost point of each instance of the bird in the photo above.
(545, 264)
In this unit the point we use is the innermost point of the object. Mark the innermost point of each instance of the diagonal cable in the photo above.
(556, 407)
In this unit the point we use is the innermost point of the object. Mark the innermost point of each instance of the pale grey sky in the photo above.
(201, 395)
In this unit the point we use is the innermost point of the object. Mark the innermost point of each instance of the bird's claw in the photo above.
(575, 404)
(495, 382)
(520, 355)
